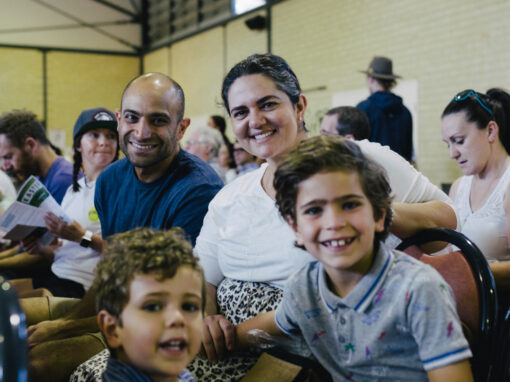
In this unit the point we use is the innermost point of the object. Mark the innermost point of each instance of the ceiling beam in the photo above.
(135, 16)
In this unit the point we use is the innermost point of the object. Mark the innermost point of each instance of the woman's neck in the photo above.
(268, 178)
(272, 165)
(91, 172)
(496, 165)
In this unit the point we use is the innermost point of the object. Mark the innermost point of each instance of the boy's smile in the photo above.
(335, 222)
(161, 329)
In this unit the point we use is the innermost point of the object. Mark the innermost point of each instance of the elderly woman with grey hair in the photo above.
(205, 143)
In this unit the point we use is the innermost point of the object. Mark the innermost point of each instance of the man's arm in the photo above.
(409, 218)
(456, 372)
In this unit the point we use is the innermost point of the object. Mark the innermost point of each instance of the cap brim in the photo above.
(381, 76)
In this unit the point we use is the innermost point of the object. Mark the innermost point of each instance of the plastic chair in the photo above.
(468, 274)
(13, 335)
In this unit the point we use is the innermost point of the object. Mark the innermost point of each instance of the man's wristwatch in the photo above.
(86, 239)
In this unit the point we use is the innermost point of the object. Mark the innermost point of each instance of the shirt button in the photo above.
(341, 339)
(342, 320)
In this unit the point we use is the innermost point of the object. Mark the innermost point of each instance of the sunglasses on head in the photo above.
(477, 96)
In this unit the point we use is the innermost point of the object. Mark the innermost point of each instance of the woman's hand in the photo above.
(69, 231)
(218, 338)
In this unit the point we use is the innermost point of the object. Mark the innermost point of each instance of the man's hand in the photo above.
(31, 245)
(69, 231)
(219, 337)
(45, 331)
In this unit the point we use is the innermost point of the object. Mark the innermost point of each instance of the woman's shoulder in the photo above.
(247, 184)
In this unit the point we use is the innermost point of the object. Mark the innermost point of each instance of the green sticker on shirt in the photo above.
(93, 215)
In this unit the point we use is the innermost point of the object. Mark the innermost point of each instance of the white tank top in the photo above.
(486, 227)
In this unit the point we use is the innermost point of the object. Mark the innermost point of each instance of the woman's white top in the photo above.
(486, 227)
(245, 238)
(72, 261)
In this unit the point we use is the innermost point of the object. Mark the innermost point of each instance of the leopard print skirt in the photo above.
(237, 301)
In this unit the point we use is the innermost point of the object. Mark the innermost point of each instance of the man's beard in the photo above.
(27, 166)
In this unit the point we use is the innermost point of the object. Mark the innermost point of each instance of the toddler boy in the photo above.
(150, 298)
(365, 311)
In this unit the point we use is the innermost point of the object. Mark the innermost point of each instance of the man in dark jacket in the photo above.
(390, 120)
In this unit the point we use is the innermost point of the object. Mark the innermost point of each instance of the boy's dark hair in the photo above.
(329, 153)
(18, 125)
(351, 120)
(140, 251)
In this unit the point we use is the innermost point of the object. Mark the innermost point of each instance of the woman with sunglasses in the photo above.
(246, 249)
(475, 129)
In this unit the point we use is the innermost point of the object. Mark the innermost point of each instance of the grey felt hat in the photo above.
(382, 68)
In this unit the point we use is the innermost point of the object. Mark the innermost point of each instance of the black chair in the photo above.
(469, 275)
(13, 335)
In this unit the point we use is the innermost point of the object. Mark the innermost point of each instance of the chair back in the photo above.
(13, 335)
(468, 274)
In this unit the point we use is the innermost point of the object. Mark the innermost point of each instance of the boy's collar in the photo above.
(363, 293)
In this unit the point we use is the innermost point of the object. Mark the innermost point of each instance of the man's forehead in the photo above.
(156, 98)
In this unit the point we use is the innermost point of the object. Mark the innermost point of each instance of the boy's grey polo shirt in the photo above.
(397, 322)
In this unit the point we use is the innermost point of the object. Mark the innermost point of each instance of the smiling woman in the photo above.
(246, 249)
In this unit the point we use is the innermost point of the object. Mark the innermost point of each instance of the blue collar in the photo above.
(361, 296)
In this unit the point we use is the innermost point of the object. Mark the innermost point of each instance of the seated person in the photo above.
(74, 259)
(365, 311)
(475, 128)
(151, 312)
(246, 249)
(347, 121)
(205, 143)
(226, 162)
(245, 162)
(26, 150)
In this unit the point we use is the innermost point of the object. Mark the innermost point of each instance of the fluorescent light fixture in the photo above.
(242, 6)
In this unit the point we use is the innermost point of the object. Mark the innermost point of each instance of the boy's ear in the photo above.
(379, 223)
(110, 328)
(293, 225)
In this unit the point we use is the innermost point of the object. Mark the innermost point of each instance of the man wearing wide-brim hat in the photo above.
(390, 121)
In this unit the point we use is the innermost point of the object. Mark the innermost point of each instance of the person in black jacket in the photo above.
(390, 120)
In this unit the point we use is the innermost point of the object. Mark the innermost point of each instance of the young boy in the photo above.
(366, 312)
(150, 298)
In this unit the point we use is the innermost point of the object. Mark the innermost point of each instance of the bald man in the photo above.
(156, 185)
